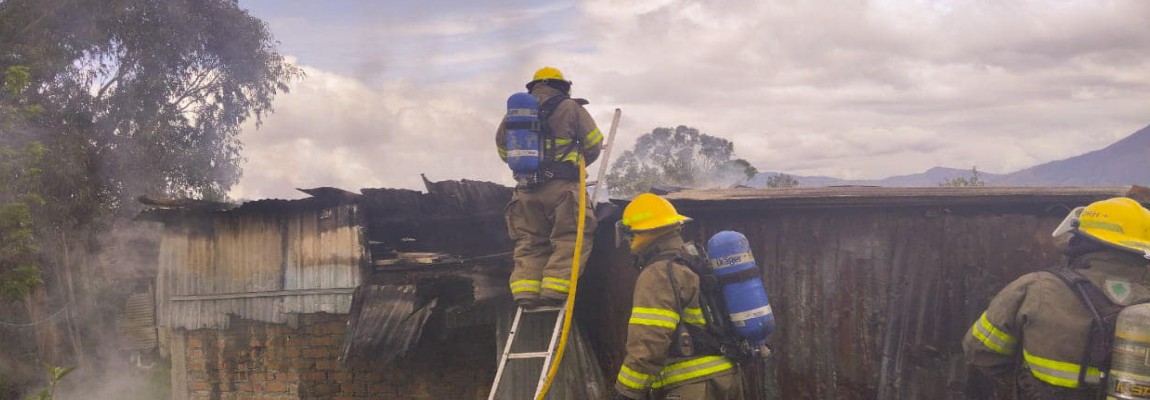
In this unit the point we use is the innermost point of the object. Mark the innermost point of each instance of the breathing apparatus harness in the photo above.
(717, 336)
(550, 166)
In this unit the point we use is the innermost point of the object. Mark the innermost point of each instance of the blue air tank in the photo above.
(730, 256)
(522, 126)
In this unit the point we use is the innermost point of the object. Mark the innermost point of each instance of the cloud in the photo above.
(854, 89)
(332, 130)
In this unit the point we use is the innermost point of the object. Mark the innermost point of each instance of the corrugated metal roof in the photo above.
(883, 196)
(385, 322)
(137, 324)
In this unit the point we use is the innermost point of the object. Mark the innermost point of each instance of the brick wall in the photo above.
(254, 360)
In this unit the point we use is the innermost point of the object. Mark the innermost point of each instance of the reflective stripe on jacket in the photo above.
(1042, 316)
(655, 314)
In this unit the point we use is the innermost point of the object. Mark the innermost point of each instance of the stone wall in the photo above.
(254, 360)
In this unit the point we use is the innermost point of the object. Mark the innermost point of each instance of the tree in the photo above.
(782, 180)
(152, 94)
(973, 180)
(679, 157)
(20, 165)
(121, 98)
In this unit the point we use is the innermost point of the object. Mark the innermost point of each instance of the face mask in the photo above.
(622, 234)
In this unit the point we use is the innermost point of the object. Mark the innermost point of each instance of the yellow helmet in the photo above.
(1119, 222)
(648, 212)
(551, 75)
(548, 73)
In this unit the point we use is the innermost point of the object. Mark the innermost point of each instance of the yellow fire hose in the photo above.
(574, 281)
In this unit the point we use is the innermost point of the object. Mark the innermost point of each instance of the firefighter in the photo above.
(542, 216)
(666, 295)
(1034, 337)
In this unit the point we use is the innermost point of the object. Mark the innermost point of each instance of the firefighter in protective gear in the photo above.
(542, 216)
(1031, 340)
(666, 294)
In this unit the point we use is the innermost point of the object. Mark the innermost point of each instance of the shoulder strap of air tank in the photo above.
(549, 106)
(1093, 298)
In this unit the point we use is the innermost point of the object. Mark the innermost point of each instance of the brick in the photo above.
(324, 388)
(287, 377)
(327, 340)
(199, 386)
(314, 353)
(348, 388)
(328, 365)
(276, 387)
(194, 343)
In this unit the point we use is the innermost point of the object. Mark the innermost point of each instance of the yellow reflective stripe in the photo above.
(694, 316)
(592, 139)
(561, 143)
(640, 217)
(992, 337)
(557, 284)
(503, 152)
(654, 317)
(1106, 226)
(691, 369)
(1058, 373)
(525, 285)
(634, 379)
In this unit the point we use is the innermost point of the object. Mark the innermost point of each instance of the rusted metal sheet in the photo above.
(136, 325)
(385, 322)
(873, 288)
(263, 261)
(463, 218)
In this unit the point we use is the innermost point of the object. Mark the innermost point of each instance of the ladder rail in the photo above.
(506, 352)
(546, 355)
(550, 351)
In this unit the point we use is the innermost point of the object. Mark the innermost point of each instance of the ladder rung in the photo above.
(542, 309)
(538, 354)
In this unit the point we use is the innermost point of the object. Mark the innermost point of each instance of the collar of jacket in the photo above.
(543, 92)
(1113, 262)
(665, 242)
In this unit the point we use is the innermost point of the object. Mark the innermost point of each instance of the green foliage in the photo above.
(972, 181)
(680, 157)
(19, 266)
(152, 94)
(782, 180)
(55, 375)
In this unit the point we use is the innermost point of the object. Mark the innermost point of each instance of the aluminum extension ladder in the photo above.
(545, 355)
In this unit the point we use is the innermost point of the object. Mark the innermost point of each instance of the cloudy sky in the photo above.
(846, 88)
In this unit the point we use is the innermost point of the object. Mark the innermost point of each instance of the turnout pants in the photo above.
(725, 387)
(543, 223)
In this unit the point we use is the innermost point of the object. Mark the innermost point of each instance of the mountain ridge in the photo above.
(1125, 162)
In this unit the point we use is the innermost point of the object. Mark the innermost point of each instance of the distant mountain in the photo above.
(931, 177)
(1126, 162)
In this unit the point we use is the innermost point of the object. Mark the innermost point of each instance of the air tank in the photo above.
(1129, 376)
(522, 127)
(748, 308)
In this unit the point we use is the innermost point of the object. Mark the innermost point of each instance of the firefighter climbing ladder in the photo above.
(546, 355)
(556, 346)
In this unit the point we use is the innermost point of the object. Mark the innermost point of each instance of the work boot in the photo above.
(550, 302)
(527, 303)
